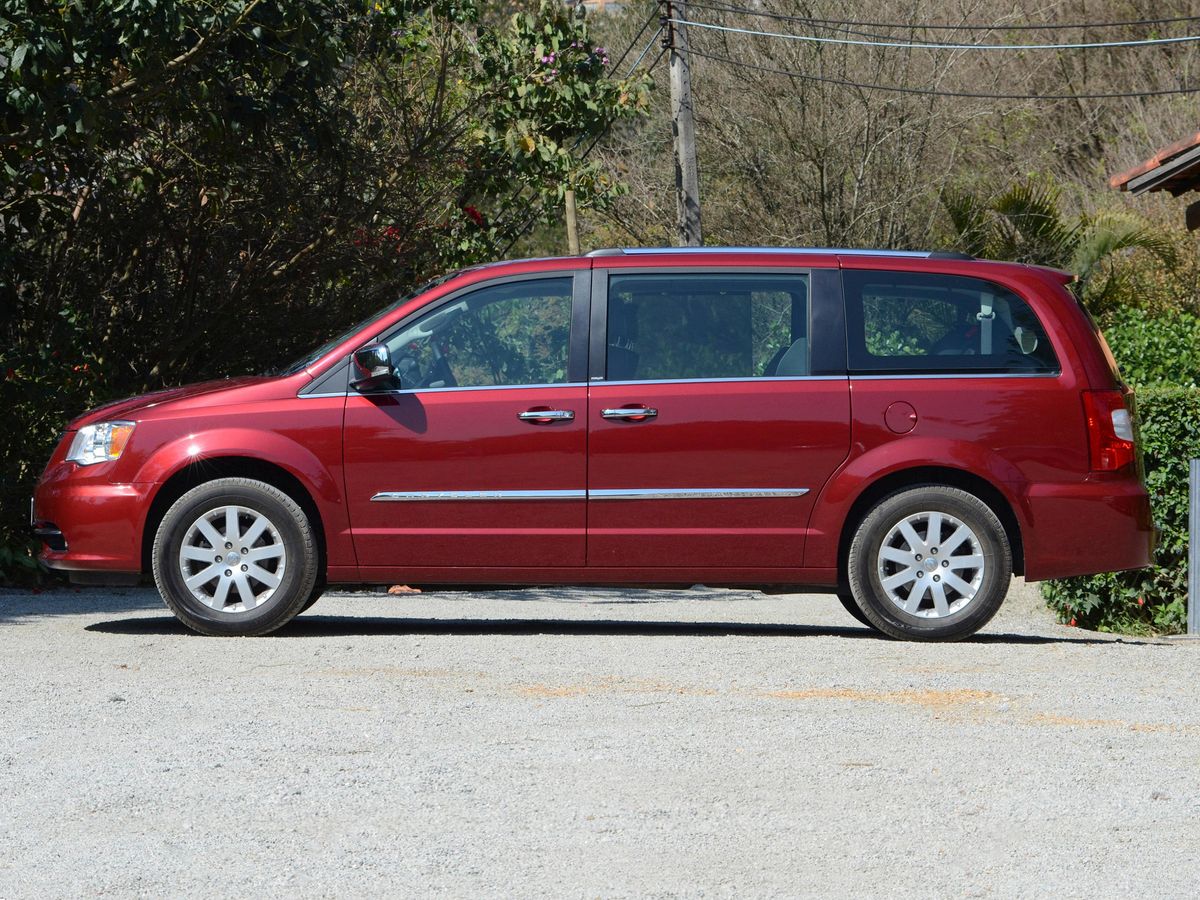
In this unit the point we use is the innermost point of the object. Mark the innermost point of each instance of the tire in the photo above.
(317, 592)
(264, 587)
(847, 601)
(913, 588)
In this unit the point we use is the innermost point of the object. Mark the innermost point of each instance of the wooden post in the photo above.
(1193, 610)
(572, 224)
(687, 175)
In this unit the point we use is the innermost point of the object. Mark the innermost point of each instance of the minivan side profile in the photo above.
(905, 430)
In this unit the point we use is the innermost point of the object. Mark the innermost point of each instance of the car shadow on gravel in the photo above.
(368, 626)
(16, 604)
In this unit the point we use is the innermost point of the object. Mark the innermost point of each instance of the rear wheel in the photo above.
(930, 563)
(236, 556)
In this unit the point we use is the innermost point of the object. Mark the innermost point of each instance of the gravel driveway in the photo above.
(589, 743)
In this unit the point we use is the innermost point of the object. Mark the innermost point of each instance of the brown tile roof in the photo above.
(1188, 178)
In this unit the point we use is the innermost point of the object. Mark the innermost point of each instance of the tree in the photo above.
(1025, 223)
(196, 190)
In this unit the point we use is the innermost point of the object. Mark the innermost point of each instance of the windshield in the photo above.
(310, 358)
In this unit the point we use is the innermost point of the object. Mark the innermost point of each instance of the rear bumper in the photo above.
(1087, 528)
(100, 523)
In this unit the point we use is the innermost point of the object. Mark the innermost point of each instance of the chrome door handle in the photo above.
(630, 412)
(546, 415)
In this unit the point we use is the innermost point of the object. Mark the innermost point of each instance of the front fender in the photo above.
(269, 447)
(303, 461)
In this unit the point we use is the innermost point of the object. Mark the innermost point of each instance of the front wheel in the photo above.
(235, 556)
(848, 604)
(931, 563)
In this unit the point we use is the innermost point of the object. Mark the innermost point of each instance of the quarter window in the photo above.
(917, 323)
(670, 327)
(508, 334)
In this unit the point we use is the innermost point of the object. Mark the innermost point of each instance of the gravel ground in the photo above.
(589, 743)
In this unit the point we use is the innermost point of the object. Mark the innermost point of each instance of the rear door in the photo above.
(718, 407)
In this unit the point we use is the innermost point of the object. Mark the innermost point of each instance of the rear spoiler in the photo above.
(1061, 275)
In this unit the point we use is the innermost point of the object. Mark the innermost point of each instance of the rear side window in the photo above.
(918, 323)
(670, 326)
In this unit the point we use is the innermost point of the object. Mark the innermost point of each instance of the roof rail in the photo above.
(835, 251)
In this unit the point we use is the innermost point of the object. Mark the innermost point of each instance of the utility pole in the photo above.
(687, 176)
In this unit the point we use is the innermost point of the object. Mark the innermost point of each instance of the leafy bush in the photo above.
(1155, 350)
(179, 179)
(1147, 599)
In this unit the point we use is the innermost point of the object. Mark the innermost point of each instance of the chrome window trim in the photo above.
(949, 375)
(443, 390)
(484, 387)
(749, 379)
(601, 494)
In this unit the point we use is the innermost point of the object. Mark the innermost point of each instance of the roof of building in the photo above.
(1175, 168)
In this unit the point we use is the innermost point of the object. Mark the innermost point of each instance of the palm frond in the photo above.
(970, 220)
(1108, 233)
(1032, 226)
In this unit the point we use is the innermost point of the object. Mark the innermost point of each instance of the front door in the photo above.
(479, 459)
(710, 438)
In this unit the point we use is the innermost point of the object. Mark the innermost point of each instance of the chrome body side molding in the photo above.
(693, 493)
(602, 494)
(424, 496)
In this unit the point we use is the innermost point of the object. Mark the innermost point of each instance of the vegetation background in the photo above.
(192, 190)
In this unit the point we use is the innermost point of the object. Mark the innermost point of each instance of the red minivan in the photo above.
(905, 430)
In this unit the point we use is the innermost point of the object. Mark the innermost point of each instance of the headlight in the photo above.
(102, 442)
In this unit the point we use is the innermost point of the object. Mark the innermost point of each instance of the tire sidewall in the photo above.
(864, 552)
(294, 531)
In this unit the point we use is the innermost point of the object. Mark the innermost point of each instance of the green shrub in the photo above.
(1153, 599)
(39, 392)
(1162, 349)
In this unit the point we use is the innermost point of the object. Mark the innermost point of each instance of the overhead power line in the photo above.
(939, 93)
(637, 62)
(933, 45)
(929, 26)
(654, 17)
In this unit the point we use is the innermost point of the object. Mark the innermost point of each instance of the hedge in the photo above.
(1155, 599)
(1156, 350)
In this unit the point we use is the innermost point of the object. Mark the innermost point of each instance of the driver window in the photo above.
(510, 334)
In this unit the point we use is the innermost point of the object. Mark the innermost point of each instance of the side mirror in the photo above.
(372, 370)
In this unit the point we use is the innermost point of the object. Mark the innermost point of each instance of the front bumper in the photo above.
(98, 523)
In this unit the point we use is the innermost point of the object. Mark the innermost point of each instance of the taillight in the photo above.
(1110, 431)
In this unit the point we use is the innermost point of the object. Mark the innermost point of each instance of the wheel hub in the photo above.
(232, 559)
(931, 565)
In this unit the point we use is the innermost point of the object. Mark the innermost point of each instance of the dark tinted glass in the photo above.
(667, 327)
(916, 323)
(508, 334)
